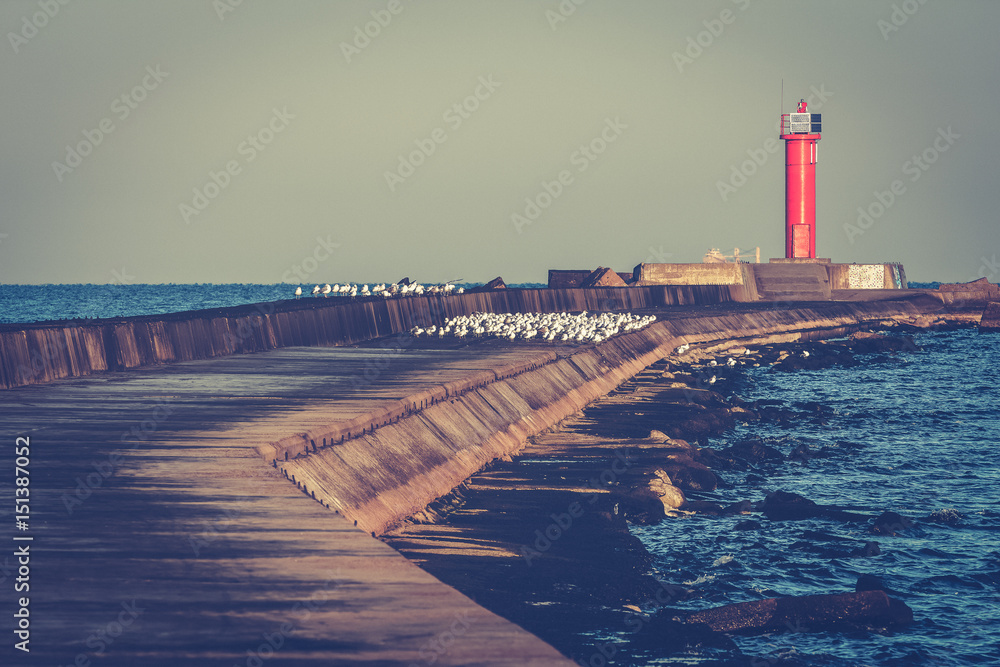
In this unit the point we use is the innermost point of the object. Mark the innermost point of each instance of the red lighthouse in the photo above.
(801, 132)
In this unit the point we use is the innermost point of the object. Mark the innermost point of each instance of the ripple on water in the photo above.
(909, 434)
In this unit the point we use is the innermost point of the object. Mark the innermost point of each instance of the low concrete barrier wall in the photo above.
(39, 353)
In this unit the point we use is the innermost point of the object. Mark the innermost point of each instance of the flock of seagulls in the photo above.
(562, 327)
(394, 289)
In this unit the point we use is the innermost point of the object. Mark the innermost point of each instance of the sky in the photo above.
(312, 141)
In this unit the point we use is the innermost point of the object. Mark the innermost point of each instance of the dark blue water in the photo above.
(42, 303)
(39, 303)
(917, 433)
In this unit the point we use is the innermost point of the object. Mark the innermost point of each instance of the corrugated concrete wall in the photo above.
(386, 466)
(41, 353)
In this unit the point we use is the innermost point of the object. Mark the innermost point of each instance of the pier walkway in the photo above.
(161, 537)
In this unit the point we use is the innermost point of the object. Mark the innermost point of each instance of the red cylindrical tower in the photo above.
(801, 132)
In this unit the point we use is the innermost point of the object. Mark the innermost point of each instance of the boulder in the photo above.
(495, 284)
(890, 523)
(864, 342)
(807, 613)
(603, 277)
(688, 474)
(990, 322)
(753, 452)
(784, 506)
(669, 495)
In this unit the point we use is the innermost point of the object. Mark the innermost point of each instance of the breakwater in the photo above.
(40, 353)
(384, 466)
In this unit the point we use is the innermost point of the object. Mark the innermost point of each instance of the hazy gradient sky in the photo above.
(309, 116)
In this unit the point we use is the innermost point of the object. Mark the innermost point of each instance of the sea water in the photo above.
(914, 432)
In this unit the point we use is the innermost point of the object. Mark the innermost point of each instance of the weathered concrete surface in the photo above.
(146, 490)
(400, 463)
(690, 274)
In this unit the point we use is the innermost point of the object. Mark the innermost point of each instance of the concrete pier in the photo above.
(148, 494)
(165, 531)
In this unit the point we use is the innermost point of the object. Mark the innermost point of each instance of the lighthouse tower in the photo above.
(800, 132)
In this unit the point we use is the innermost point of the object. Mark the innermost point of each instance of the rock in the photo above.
(688, 474)
(719, 461)
(702, 507)
(741, 507)
(990, 321)
(669, 495)
(603, 277)
(781, 505)
(890, 523)
(864, 342)
(753, 452)
(870, 549)
(807, 613)
(495, 284)
(658, 436)
(801, 454)
(948, 517)
(742, 414)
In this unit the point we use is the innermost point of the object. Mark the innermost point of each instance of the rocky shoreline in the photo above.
(543, 539)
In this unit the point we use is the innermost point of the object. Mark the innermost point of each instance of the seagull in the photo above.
(682, 349)
(713, 362)
(298, 291)
(730, 362)
(805, 353)
(316, 290)
(326, 289)
(712, 381)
